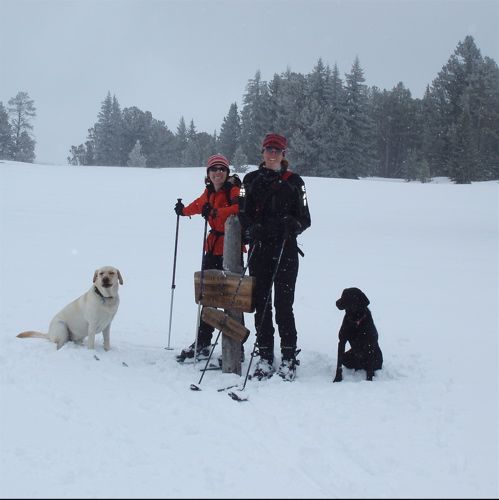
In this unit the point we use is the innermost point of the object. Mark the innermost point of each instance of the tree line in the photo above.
(336, 127)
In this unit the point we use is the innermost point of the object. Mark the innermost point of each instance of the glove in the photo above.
(206, 210)
(339, 375)
(290, 226)
(255, 232)
(179, 208)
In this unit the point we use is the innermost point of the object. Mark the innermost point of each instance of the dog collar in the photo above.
(97, 291)
(358, 321)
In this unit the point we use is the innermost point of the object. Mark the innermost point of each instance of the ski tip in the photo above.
(195, 387)
(236, 397)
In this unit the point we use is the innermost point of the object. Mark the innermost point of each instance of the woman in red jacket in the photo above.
(217, 202)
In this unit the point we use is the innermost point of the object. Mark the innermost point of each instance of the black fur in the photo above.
(358, 329)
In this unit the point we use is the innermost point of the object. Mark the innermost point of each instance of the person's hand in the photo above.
(290, 226)
(255, 232)
(179, 208)
(206, 210)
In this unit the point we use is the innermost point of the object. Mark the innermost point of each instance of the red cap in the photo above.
(275, 141)
(217, 160)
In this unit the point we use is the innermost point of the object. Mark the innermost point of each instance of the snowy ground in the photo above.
(71, 426)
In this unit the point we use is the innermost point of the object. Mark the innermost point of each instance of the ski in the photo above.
(189, 361)
(210, 367)
(222, 389)
(237, 397)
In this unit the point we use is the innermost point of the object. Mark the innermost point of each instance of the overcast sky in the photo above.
(194, 58)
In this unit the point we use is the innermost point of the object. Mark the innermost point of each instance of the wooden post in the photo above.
(231, 349)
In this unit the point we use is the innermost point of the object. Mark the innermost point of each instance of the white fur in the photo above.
(87, 315)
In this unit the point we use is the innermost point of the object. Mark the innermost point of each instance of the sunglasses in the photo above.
(218, 169)
(277, 151)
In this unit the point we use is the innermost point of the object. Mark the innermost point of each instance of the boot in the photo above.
(203, 351)
(264, 368)
(287, 368)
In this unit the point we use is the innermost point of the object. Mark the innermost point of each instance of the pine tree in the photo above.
(136, 126)
(394, 115)
(488, 134)
(465, 113)
(109, 133)
(336, 133)
(240, 161)
(255, 118)
(182, 141)
(162, 146)
(309, 147)
(22, 110)
(288, 92)
(360, 127)
(230, 133)
(136, 158)
(5, 134)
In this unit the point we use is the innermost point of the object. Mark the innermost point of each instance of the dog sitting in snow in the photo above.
(359, 331)
(89, 314)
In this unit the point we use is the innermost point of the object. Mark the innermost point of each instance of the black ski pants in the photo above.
(262, 267)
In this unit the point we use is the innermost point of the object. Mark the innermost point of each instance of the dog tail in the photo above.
(39, 335)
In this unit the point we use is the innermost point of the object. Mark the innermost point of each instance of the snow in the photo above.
(72, 426)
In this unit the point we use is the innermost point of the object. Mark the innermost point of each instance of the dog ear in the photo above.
(363, 300)
(95, 276)
(120, 279)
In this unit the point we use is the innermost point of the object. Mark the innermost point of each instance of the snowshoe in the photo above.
(203, 352)
(287, 369)
(263, 370)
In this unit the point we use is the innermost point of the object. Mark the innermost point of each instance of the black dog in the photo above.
(359, 330)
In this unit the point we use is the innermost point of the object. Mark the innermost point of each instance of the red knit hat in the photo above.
(217, 160)
(275, 141)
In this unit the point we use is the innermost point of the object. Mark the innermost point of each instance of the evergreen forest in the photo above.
(336, 127)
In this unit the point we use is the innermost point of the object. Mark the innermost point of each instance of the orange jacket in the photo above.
(225, 203)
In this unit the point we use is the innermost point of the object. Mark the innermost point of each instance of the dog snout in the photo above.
(106, 281)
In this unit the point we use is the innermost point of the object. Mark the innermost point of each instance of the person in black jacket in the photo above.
(273, 210)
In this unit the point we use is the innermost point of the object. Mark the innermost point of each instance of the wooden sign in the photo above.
(222, 321)
(225, 290)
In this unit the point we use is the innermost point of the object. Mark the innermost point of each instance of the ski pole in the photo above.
(201, 283)
(233, 395)
(179, 200)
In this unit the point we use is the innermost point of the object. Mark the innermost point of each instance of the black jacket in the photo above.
(268, 196)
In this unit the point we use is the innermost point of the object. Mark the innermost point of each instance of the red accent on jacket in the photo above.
(219, 200)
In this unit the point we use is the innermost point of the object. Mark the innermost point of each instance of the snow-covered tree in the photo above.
(5, 134)
(21, 110)
(135, 157)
